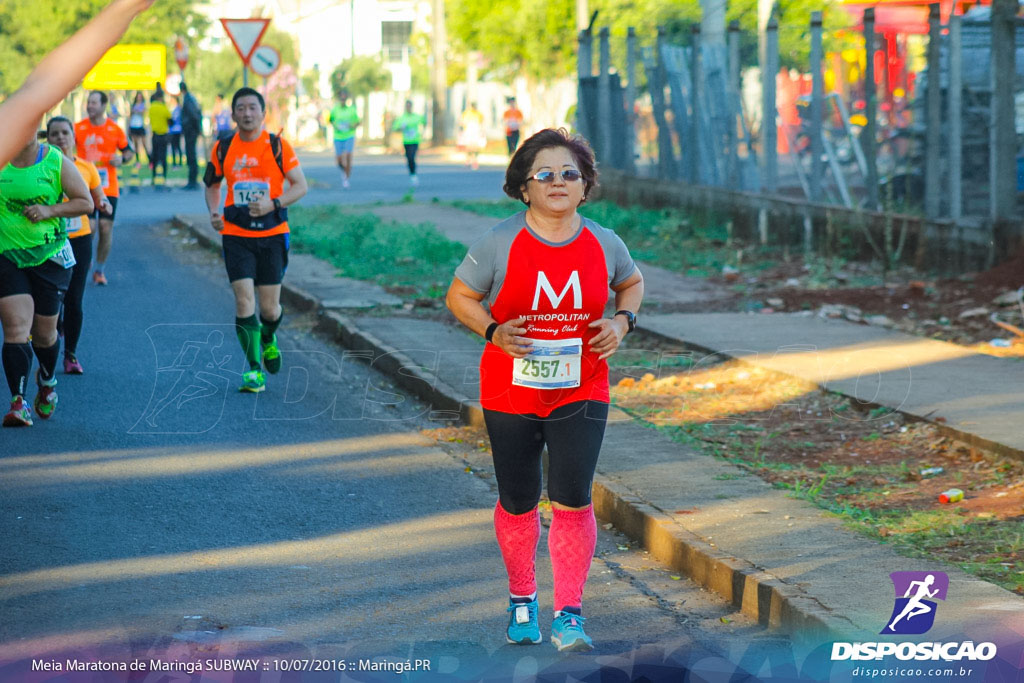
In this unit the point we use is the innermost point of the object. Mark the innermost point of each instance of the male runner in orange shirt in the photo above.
(101, 141)
(254, 226)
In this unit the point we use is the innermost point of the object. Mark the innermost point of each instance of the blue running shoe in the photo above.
(567, 633)
(523, 627)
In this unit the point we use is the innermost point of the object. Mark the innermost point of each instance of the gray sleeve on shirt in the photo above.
(620, 264)
(484, 267)
(477, 268)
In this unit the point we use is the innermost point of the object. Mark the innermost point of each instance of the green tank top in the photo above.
(21, 241)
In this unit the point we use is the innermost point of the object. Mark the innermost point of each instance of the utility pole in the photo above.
(439, 76)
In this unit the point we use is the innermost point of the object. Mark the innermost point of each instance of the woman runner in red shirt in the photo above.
(544, 274)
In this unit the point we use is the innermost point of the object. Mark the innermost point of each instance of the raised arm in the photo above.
(59, 72)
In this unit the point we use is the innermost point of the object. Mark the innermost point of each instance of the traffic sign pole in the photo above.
(245, 35)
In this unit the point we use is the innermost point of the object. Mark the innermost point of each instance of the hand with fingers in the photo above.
(607, 341)
(508, 337)
(38, 212)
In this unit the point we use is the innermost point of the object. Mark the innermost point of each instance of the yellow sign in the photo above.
(129, 67)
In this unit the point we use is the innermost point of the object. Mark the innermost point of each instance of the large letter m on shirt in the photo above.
(543, 285)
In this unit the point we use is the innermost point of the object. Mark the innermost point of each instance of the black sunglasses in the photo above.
(569, 175)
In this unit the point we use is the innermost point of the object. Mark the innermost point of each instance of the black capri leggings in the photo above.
(573, 434)
(72, 312)
(410, 156)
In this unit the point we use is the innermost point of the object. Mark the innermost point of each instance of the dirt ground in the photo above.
(869, 464)
(960, 310)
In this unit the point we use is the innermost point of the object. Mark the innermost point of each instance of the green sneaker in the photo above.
(46, 397)
(272, 356)
(253, 382)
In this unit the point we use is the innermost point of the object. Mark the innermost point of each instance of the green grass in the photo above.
(417, 260)
(990, 549)
(670, 238)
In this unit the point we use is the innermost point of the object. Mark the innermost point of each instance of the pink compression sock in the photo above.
(571, 541)
(518, 536)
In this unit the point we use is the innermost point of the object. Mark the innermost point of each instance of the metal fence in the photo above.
(954, 158)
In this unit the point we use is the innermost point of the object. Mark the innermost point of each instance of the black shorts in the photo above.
(572, 433)
(97, 214)
(46, 283)
(261, 259)
(137, 132)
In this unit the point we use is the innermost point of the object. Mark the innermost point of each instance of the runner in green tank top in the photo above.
(411, 125)
(35, 268)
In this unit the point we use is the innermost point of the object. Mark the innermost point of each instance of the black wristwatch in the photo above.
(630, 318)
(277, 204)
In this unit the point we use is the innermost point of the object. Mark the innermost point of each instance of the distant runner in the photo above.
(60, 133)
(411, 126)
(254, 226)
(513, 120)
(35, 269)
(102, 142)
(344, 118)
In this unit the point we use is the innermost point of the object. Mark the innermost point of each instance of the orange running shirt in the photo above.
(79, 226)
(98, 144)
(251, 171)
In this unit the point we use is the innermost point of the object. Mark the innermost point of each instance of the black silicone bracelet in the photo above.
(489, 334)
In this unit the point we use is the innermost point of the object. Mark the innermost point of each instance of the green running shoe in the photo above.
(253, 382)
(523, 627)
(46, 397)
(567, 633)
(272, 356)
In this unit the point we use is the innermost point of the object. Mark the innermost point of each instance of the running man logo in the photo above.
(543, 284)
(913, 612)
(195, 371)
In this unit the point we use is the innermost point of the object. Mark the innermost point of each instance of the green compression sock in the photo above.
(270, 327)
(248, 331)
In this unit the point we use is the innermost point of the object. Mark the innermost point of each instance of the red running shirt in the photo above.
(560, 289)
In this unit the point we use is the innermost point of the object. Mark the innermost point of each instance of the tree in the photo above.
(537, 38)
(29, 29)
(360, 76)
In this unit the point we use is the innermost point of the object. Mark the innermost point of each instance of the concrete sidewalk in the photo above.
(780, 560)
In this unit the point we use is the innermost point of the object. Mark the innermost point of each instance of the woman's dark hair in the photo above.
(59, 119)
(522, 161)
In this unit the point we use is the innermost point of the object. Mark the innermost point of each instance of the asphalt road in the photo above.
(160, 514)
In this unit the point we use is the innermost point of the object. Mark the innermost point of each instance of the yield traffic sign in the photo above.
(245, 34)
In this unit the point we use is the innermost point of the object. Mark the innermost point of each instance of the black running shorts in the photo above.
(572, 433)
(97, 214)
(46, 283)
(260, 259)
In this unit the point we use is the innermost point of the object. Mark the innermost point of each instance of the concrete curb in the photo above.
(758, 594)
